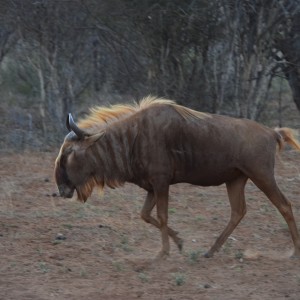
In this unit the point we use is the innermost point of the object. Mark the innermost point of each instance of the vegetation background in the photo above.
(240, 58)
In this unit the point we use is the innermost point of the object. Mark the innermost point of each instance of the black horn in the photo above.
(71, 125)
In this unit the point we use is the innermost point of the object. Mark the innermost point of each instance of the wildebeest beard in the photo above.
(105, 174)
(84, 191)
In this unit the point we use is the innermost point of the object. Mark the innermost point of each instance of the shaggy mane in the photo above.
(101, 116)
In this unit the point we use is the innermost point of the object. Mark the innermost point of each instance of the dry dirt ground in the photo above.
(53, 248)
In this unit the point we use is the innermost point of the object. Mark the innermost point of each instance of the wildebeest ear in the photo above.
(71, 125)
(93, 138)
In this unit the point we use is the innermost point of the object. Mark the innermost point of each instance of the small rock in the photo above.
(60, 237)
(139, 294)
(104, 226)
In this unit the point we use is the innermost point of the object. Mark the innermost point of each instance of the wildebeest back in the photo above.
(204, 151)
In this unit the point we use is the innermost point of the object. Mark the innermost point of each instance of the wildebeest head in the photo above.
(73, 169)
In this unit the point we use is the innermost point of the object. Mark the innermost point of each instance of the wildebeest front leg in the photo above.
(146, 216)
(235, 190)
(161, 196)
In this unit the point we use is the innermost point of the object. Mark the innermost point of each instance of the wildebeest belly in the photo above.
(204, 168)
(206, 178)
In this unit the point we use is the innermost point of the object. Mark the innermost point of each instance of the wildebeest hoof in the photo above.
(208, 255)
(179, 244)
(295, 255)
(162, 255)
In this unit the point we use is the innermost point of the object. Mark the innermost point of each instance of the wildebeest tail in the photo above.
(287, 135)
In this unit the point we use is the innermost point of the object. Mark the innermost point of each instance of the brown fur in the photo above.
(100, 116)
(157, 143)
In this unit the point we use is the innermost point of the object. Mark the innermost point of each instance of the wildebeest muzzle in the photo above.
(66, 191)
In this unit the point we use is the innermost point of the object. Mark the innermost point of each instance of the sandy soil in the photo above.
(53, 248)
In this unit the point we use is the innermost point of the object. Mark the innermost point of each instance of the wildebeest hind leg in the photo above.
(235, 190)
(146, 216)
(271, 190)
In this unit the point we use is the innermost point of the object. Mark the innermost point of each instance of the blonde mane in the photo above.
(101, 116)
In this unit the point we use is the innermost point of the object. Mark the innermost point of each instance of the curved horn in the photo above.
(67, 122)
(71, 125)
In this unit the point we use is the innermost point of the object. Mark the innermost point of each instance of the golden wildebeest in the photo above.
(157, 143)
